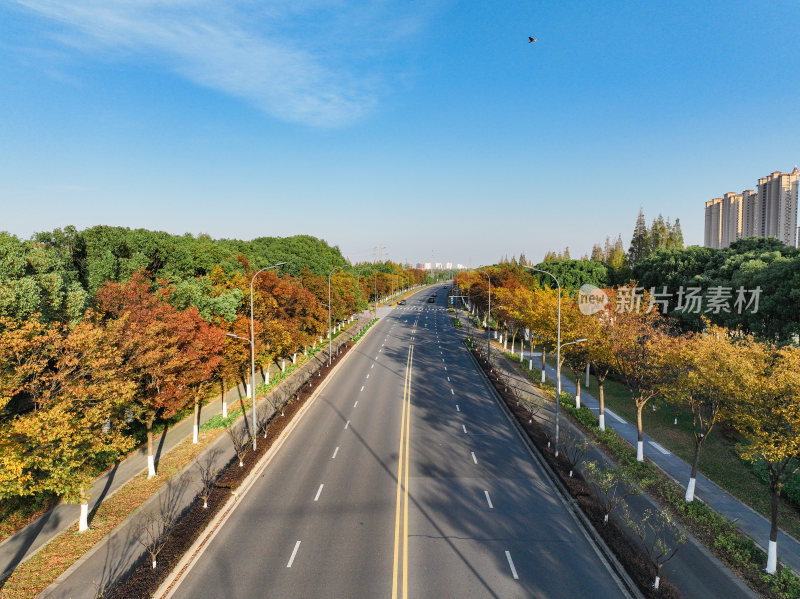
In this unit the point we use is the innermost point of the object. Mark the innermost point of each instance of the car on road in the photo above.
(401, 303)
(431, 300)
(434, 294)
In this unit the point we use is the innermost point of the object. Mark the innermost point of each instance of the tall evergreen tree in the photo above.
(658, 234)
(640, 242)
(675, 238)
(597, 252)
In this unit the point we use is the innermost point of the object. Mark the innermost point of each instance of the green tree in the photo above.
(640, 241)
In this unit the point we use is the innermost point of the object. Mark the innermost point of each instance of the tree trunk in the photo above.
(196, 425)
(639, 440)
(544, 363)
(602, 398)
(772, 554)
(83, 522)
(578, 392)
(224, 398)
(693, 476)
(151, 464)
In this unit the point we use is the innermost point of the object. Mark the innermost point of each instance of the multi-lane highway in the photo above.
(403, 479)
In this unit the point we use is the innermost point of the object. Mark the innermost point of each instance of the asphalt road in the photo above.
(404, 479)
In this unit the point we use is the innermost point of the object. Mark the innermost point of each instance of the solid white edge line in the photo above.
(316, 497)
(489, 500)
(660, 448)
(296, 547)
(511, 564)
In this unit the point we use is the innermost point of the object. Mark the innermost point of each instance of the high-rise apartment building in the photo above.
(770, 211)
(713, 236)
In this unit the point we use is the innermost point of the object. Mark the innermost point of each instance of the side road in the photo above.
(695, 571)
(28, 541)
(750, 522)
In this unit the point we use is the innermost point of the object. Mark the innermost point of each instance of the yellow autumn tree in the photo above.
(767, 413)
(704, 374)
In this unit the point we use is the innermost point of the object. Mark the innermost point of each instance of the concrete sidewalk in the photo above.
(27, 542)
(750, 522)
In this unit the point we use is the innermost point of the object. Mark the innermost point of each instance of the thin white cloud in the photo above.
(298, 61)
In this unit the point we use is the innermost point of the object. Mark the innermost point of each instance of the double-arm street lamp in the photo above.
(253, 347)
(488, 319)
(558, 349)
(330, 336)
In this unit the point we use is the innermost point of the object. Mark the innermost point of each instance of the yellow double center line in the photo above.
(401, 508)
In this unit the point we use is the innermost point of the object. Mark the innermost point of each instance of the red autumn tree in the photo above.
(157, 343)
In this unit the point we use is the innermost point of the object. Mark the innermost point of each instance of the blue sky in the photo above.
(424, 126)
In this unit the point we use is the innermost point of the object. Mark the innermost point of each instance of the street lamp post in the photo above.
(330, 336)
(558, 350)
(488, 320)
(253, 348)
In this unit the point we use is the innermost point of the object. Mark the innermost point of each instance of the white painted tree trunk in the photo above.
(656, 583)
(247, 391)
(151, 466)
(690, 490)
(294, 358)
(283, 365)
(154, 564)
(195, 432)
(602, 418)
(530, 364)
(83, 522)
(772, 557)
(578, 400)
(605, 519)
(266, 376)
(224, 408)
(640, 451)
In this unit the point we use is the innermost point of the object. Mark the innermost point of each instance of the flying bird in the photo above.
(532, 39)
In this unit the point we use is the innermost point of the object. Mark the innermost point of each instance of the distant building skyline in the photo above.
(769, 211)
